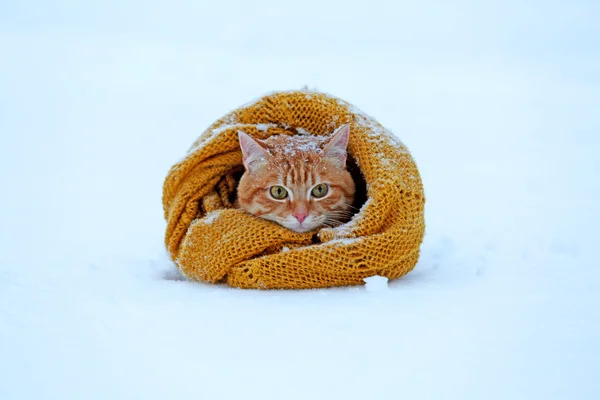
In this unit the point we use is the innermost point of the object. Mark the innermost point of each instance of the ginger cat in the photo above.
(299, 181)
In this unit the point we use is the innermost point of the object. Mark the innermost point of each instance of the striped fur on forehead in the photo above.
(299, 169)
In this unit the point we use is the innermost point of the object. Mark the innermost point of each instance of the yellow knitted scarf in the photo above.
(211, 241)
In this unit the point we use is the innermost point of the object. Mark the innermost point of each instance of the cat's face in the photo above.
(298, 181)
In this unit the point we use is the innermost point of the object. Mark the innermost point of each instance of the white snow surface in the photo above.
(376, 283)
(497, 102)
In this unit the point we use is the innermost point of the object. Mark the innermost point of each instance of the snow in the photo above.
(293, 145)
(211, 217)
(264, 127)
(497, 102)
(345, 241)
(376, 283)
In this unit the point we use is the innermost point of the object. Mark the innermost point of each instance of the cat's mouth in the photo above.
(309, 224)
(301, 227)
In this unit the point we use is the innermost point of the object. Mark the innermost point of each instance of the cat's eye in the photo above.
(278, 192)
(320, 190)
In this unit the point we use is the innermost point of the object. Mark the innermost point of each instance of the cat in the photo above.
(299, 181)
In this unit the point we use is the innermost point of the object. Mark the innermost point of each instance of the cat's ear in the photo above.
(253, 153)
(336, 147)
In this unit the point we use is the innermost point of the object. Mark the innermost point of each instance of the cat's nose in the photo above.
(300, 216)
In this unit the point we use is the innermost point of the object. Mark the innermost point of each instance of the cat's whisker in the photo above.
(340, 220)
(334, 222)
(341, 214)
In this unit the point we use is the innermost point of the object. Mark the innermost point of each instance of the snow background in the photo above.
(497, 101)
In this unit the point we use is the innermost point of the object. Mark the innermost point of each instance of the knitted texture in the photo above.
(211, 241)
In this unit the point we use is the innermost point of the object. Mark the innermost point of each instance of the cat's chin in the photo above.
(292, 224)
